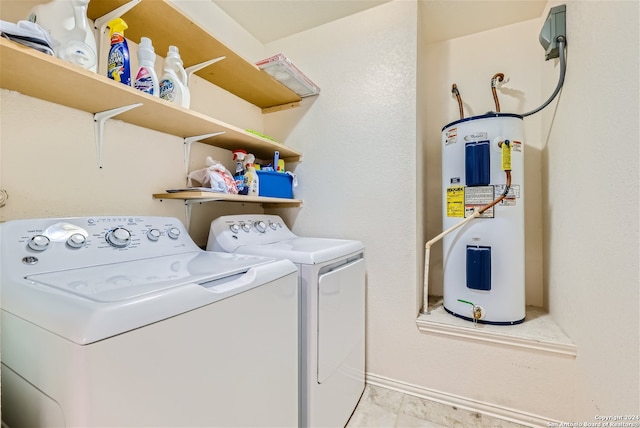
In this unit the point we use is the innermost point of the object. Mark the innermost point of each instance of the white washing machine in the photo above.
(124, 321)
(332, 309)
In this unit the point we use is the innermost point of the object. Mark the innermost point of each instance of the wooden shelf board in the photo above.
(166, 25)
(41, 76)
(212, 196)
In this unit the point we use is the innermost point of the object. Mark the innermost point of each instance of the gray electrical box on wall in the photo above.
(554, 26)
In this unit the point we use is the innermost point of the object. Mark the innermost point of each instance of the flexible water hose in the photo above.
(563, 69)
(498, 77)
(456, 92)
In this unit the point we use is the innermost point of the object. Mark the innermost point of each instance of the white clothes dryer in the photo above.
(332, 309)
(124, 321)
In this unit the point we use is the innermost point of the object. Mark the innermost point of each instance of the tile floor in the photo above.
(385, 408)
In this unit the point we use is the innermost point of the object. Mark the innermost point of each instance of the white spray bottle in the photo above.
(173, 85)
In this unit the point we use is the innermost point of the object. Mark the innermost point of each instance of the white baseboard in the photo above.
(467, 404)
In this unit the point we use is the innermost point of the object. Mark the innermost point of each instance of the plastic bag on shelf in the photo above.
(29, 34)
(215, 176)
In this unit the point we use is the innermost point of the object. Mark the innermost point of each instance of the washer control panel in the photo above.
(227, 233)
(260, 226)
(66, 243)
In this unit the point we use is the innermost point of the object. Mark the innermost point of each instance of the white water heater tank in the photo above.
(484, 260)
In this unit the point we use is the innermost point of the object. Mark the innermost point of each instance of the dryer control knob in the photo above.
(246, 227)
(234, 228)
(261, 226)
(118, 237)
(173, 233)
(76, 240)
(272, 225)
(153, 234)
(39, 243)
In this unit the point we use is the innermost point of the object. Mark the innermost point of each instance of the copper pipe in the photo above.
(454, 91)
(498, 77)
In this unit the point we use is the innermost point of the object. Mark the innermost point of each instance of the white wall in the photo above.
(358, 136)
(591, 207)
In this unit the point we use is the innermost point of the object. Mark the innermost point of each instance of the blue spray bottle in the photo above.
(118, 67)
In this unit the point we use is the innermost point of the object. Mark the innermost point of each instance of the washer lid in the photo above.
(305, 250)
(134, 279)
(93, 303)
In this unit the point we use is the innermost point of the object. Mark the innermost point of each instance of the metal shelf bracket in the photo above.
(187, 213)
(197, 67)
(99, 119)
(187, 147)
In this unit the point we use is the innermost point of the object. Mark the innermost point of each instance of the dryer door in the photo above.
(341, 301)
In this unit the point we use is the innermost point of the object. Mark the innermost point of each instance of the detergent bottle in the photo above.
(67, 23)
(251, 180)
(118, 67)
(173, 85)
(146, 78)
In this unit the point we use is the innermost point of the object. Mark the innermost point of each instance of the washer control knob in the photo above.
(173, 233)
(261, 226)
(246, 227)
(39, 243)
(118, 237)
(234, 228)
(272, 225)
(76, 240)
(153, 234)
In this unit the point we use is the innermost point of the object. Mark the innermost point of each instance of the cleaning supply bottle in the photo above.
(251, 180)
(146, 78)
(173, 85)
(118, 67)
(238, 176)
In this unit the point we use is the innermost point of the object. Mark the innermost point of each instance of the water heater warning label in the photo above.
(451, 136)
(510, 199)
(455, 201)
(477, 197)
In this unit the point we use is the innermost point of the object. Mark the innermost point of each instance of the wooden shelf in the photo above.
(166, 25)
(225, 197)
(41, 76)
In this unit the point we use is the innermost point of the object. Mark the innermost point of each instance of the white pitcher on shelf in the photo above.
(67, 22)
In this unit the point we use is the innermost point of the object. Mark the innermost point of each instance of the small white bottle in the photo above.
(146, 77)
(173, 85)
(251, 180)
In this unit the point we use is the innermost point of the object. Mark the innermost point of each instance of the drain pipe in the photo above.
(427, 250)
